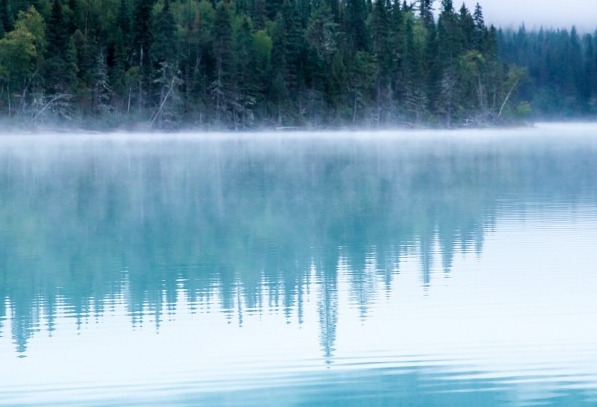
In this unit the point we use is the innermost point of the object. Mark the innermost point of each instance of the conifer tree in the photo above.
(322, 32)
(414, 75)
(87, 50)
(165, 42)
(124, 24)
(142, 38)
(258, 14)
(273, 7)
(589, 73)
(278, 89)
(450, 47)
(360, 77)
(165, 54)
(101, 90)
(354, 26)
(426, 12)
(294, 41)
(6, 16)
(223, 53)
(479, 36)
(60, 65)
(576, 65)
(244, 86)
(262, 54)
(467, 28)
(118, 71)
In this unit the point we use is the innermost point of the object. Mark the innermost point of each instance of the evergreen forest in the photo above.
(249, 64)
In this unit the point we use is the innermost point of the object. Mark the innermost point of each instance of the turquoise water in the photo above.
(291, 269)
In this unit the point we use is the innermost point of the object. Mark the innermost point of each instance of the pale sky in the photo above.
(535, 13)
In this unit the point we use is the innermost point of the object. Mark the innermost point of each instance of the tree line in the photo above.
(243, 64)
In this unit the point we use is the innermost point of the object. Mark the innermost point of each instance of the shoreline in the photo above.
(9, 126)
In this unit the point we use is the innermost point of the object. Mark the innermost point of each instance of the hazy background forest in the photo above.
(246, 64)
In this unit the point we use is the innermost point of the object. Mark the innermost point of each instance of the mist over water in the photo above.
(450, 268)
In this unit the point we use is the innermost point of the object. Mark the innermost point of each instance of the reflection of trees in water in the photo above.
(244, 223)
(327, 307)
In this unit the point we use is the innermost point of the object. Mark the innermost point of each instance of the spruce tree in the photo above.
(119, 67)
(60, 65)
(322, 32)
(6, 16)
(223, 53)
(575, 55)
(262, 56)
(383, 53)
(479, 39)
(588, 76)
(467, 28)
(58, 30)
(273, 7)
(258, 14)
(279, 88)
(426, 12)
(354, 27)
(294, 43)
(124, 23)
(450, 48)
(450, 35)
(142, 38)
(164, 48)
(164, 52)
(414, 75)
(244, 81)
(87, 50)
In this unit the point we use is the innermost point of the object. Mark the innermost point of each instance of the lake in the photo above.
(413, 268)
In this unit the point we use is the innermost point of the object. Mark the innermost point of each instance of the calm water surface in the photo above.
(447, 269)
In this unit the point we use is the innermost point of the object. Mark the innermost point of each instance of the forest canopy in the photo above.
(246, 64)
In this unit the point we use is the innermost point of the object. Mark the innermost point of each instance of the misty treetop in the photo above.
(242, 64)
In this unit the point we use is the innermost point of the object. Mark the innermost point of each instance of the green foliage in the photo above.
(17, 56)
(142, 38)
(165, 46)
(117, 74)
(322, 32)
(524, 110)
(21, 55)
(6, 17)
(30, 20)
(58, 31)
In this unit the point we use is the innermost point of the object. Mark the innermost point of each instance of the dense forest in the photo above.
(242, 64)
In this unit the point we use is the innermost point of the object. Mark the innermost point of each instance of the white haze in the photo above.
(42, 142)
(537, 13)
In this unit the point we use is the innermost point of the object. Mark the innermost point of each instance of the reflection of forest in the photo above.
(245, 222)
